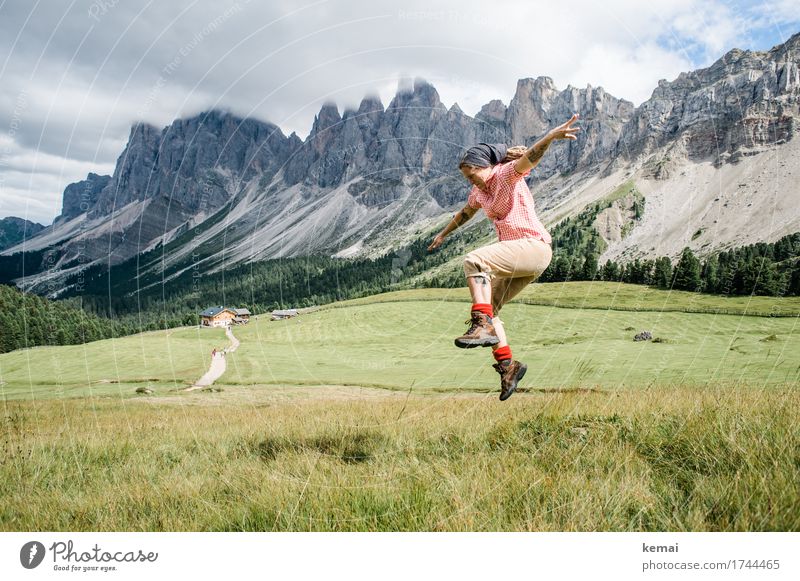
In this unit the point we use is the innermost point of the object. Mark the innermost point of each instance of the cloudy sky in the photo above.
(75, 75)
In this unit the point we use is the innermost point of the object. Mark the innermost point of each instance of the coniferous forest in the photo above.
(756, 269)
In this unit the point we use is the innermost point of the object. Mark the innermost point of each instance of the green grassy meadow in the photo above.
(408, 345)
(362, 415)
(160, 360)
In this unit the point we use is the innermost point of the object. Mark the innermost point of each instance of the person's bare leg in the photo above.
(501, 333)
(480, 288)
(500, 285)
(505, 289)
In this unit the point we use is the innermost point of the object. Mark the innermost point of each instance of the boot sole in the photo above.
(520, 374)
(470, 343)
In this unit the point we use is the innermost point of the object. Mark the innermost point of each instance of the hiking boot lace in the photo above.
(500, 368)
(475, 320)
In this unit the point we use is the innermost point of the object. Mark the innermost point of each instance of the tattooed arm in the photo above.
(536, 151)
(460, 217)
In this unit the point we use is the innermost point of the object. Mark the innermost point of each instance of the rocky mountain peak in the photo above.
(370, 104)
(80, 197)
(493, 113)
(697, 108)
(528, 112)
(422, 94)
(494, 109)
(328, 115)
(791, 44)
(14, 230)
(426, 93)
(541, 87)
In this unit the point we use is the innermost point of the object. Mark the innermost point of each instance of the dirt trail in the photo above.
(218, 364)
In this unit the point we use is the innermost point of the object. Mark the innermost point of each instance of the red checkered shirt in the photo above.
(509, 204)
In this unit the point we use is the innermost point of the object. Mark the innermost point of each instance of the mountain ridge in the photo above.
(14, 230)
(365, 179)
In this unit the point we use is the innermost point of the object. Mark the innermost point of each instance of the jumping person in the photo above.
(498, 272)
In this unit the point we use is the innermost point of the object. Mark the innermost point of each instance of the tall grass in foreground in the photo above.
(715, 458)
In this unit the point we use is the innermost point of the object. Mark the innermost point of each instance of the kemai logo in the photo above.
(31, 554)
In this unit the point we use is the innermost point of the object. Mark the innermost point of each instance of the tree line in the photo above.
(112, 304)
(770, 269)
(28, 320)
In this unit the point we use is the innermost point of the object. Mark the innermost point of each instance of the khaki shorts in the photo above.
(510, 265)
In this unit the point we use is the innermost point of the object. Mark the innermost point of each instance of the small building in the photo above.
(283, 314)
(242, 316)
(217, 317)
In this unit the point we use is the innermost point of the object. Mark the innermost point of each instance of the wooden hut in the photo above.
(217, 317)
(283, 314)
(242, 316)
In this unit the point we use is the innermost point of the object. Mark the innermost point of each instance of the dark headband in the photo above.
(484, 154)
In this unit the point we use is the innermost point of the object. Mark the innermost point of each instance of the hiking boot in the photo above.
(510, 373)
(480, 334)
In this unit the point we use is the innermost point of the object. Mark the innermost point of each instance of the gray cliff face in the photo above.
(529, 112)
(494, 114)
(381, 145)
(15, 230)
(538, 106)
(369, 174)
(197, 164)
(408, 123)
(133, 173)
(166, 177)
(81, 196)
(414, 138)
(742, 102)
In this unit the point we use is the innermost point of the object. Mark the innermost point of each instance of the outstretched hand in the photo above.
(437, 242)
(566, 131)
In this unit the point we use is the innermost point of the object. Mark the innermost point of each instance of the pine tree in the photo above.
(794, 280)
(589, 271)
(610, 271)
(770, 282)
(687, 272)
(561, 269)
(662, 272)
(709, 274)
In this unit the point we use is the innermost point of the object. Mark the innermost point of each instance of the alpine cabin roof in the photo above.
(214, 311)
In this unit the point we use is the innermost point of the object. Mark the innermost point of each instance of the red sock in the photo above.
(485, 308)
(502, 353)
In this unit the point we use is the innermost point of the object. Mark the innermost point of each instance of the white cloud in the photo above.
(625, 77)
(32, 182)
(19, 202)
(781, 10)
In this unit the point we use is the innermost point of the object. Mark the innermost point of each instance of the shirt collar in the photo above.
(495, 169)
(489, 180)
